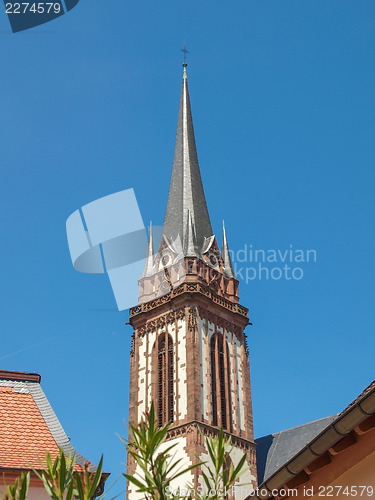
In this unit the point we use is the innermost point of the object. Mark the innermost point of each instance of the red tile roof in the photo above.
(366, 391)
(24, 435)
(29, 427)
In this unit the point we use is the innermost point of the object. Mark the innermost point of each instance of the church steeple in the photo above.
(189, 353)
(188, 250)
(186, 190)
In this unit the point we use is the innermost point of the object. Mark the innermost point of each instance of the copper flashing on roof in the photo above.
(21, 376)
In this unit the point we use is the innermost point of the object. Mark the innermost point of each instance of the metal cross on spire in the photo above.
(185, 51)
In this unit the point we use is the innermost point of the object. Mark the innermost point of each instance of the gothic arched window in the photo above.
(220, 382)
(165, 379)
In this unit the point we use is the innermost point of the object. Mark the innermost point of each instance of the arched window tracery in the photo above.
(220, 383)
(165, 379)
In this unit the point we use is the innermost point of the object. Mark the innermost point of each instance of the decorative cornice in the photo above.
(190, 288)
(161, 321)
(207, 430)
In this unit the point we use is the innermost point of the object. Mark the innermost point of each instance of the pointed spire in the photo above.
(190, 244)
(227, 262)
(149, 262)
(186, 190)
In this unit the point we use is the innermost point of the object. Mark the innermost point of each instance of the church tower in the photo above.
(189, 352)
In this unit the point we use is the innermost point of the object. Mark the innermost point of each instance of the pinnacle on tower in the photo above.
(227, 262)
(149, 262)
(190, 244)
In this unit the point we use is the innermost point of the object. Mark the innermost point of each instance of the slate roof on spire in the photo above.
(186, 190)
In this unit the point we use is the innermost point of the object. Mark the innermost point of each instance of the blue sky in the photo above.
(283, 105)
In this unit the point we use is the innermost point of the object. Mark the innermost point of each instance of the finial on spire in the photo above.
(185, 51)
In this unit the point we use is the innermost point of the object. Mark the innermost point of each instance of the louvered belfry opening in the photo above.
(220, 383)
(165, 379)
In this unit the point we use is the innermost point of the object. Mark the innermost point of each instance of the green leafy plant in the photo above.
(158, 467)
(220, 474)
(57, 476)
(19, 490)
(86, 483)
(63, 482)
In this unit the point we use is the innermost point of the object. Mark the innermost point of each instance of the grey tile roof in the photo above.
(274, 450)
(49, 416)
